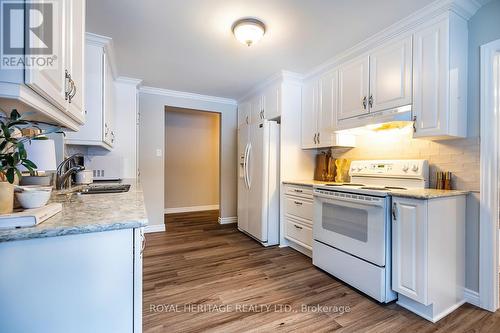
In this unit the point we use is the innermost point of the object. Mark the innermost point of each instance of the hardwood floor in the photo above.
(200, 276)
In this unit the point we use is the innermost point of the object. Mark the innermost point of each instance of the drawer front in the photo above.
(301, 191)
(298, 232)
(299, 207)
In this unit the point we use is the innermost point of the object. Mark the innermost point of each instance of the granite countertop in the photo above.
(308, 182)
(426, 193)
(88, 213)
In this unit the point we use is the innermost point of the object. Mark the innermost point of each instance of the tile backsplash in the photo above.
(460, 156)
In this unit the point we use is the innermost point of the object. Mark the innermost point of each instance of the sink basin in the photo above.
(99, 189)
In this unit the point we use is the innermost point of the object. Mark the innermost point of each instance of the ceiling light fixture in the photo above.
(248, 30)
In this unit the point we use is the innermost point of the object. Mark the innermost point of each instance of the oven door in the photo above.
(352, 223)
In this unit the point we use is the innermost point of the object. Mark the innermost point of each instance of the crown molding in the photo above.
(187, 95)
(106, 43)
(463, 8)
(129, 80)
(281, 76)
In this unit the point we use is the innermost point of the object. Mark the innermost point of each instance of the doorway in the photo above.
(490, 177)
(192, 165)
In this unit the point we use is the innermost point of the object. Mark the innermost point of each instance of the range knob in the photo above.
(359, 169)
(414, 168)
(405, 168)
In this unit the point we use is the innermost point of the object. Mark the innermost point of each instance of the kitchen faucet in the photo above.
(63, 178)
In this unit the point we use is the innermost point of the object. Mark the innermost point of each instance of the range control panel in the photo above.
(390, 168)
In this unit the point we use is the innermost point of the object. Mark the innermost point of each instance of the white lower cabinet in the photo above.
(88, 282)
(428, 254)
(298, 215)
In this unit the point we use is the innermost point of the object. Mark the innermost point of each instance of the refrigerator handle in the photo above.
(247, 163)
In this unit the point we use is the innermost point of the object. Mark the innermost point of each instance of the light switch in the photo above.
(158, 153)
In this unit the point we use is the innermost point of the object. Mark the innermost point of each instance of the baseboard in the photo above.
(154, 228)
(228, 220)
(190, 209)
(471, 297)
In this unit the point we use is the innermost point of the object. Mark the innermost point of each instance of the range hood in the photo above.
(397, 116)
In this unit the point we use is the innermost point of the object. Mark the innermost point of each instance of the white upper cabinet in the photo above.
(391, 76)
(257, 111)
(51, 94)
(271, 102)
(319, 109)
(327, 109)
(51, 83)
(353, 88)
(99, 87)
(75, 51)
(309, 114)
(244, 112)
(440, 79)
(263, 105)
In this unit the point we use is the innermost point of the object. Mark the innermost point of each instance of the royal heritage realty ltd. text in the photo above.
(249, 308)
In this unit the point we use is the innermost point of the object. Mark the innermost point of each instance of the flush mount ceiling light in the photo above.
(248, 30)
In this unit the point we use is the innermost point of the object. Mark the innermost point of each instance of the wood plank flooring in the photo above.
(200, 276)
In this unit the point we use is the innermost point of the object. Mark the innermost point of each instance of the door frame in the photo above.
(489, 179)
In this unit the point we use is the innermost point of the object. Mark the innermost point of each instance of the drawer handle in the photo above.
(298, 203)
(297, 226)
(298, 191)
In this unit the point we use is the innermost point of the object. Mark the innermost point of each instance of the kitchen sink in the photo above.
(99, 189)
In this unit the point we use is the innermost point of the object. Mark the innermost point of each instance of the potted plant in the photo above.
(13, 154)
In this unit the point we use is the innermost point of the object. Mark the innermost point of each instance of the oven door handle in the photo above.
(379, 202)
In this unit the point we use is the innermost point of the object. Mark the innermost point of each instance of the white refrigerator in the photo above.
(258, 181)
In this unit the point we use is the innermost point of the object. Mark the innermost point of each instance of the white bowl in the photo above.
(33, 198)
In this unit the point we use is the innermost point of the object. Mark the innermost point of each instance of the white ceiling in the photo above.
(187, 45)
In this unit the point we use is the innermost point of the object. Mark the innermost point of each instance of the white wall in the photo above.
(191, 159)
(152, 104)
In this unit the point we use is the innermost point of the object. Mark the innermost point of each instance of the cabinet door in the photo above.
(327, 110)
(353, 88)
(271, 101)
(51, 83)
(309, 114)
(94, 95)
(244, 113)
(430, 77)
(109, 135)
(256, 109)
(75, 56)
(391, 76)
(409, 248)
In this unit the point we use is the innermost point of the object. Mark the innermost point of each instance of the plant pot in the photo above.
(6, 198)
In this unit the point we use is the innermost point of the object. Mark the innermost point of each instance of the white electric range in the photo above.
(352, 223)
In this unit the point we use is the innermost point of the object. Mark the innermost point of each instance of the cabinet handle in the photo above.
(414, 124)
(370, 101)
(298, 191)
(364, 102)
(315, 134)
(112, 136)
(394, 211)
(246, 120)
(70, 83)
(72, 95)
(298, 203)
(297, 226)
(319, 141)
